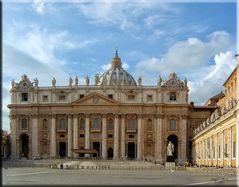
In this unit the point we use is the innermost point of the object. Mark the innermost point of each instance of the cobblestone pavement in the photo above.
(48, 176)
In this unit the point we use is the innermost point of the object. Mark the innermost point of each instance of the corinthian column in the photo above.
(139, 138)
(13, 127)
(53, 136)
(122, 149)
(75, 137)
(116, 137)
(34, 136)
(87, 133)
(104, 138)
(229, 162)
(183, 157)
(69, 137)
(158, 139)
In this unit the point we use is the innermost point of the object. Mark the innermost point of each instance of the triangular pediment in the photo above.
(95, 99)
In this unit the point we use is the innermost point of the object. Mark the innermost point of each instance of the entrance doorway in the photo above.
(131, 150)
(24, 140)
(62, 149)
(174, 141)
(110, 153)
(96, 146)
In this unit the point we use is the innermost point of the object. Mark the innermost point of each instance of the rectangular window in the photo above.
(172, 96)
(110, 136)
(24, 96)
(81, 96)
(62, 97)
(219, 151)
(149, 97)
(225, 151)
(82, 135)
(172, 125)
(110, 96)
(45, 98)
(131, 136)
(131, 97)
(234, 150)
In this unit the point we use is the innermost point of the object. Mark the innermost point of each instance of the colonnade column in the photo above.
(87, 133)
(69, 135)
(237, 140)
(216, 149)
(75, 136)
(34, 136)
(222, 149)
(158, 138)
(53, 136)
(116, 137)
(229, 158)
(13, 127)
(183, 158)
(139, 138)
(122, 148)
(104, 137)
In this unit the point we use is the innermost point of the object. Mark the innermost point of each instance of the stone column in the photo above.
(13, 137)
(87, 132)
(158, 138)
(229, 149)
(237, 140)
(104, 137)
(53, 136)
(75, 136)
(216, 149)
(211, 150)
(116, 137)
(222, 149)
(122, 149)
(69, 135)
(183, 158)
(34, 136)
(139, 138)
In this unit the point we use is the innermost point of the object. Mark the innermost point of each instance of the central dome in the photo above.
(116, 75)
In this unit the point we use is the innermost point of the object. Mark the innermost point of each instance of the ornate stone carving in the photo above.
(140, 80)
(95, 99)
(76, 81)
(97, 79)
(87, 80)
(70, 82)
(36, 82)
(53, 82)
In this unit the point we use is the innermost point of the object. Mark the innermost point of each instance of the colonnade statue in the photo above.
(170, 149)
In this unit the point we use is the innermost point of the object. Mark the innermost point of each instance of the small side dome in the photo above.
(116, 75)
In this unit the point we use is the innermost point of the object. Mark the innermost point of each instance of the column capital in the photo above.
(53, 115)
(160, 116)
(123, 115)
(104, 115)
(33, 115)
(116, 115)
(140, 116)
(87, 115)
(75, 115)
(13, 116)
(184, 116)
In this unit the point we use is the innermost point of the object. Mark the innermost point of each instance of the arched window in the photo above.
(149, 125)
(24, 124)
(96, 124)
(82, 124)
(44, 124)
(131, 124)
(62, 124)
(172, 125)
(110, 124)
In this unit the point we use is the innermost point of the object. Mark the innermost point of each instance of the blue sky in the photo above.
(45, 39)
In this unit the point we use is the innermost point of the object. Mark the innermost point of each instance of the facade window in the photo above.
(131, 97)
(110, 96)
(45, 98)
(149, 97)
(149, 125)
(62, 136)
(132, 124)
(81, 96)
(96, 124)
(82, 124)
(24, 124)
(82, 135)
(219, 151)
(172, 125)
(62, 97)
(62, 124)
(131, 136)
(172, 96)
(110, 124)
(234, 150)
(44, 124)
(225, 151)
(24, 97)
(110, 136)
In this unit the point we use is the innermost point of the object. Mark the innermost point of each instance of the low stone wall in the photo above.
(232, 171)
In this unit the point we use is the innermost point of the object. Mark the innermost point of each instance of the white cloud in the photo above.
(210, 80)
(188, 54)
(38, 5)
(105, 67)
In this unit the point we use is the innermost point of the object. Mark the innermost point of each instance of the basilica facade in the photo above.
(116, 118)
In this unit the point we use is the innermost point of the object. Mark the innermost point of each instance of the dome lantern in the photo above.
(116, 61)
